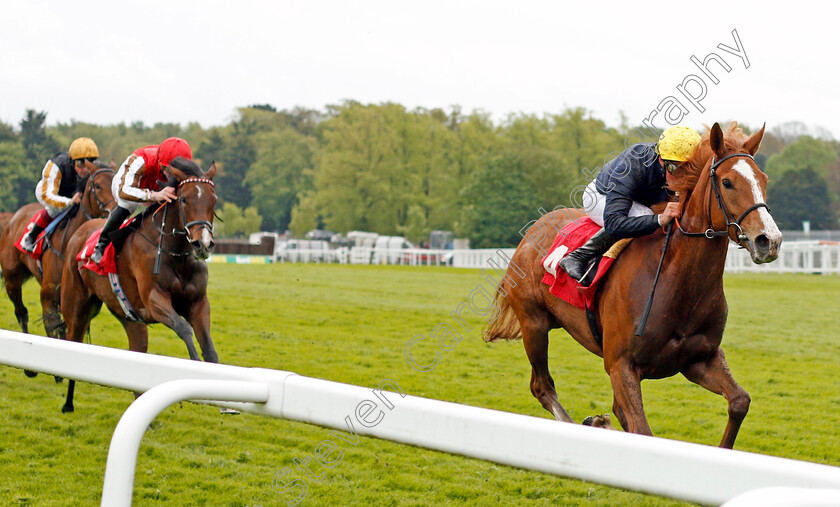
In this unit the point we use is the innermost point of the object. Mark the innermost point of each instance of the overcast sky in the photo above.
(171, 61)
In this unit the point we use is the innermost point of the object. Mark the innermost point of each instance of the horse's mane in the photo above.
(187, 166)
(733, 138)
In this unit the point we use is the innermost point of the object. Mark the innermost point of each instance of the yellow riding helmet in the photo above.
(83, 147)
(678, 143)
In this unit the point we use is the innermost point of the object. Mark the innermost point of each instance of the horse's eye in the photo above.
(727, 183)
(97, 187)
(183, 200)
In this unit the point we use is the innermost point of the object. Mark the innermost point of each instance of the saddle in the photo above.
(42, 242)
(575, 234)
(108, 265)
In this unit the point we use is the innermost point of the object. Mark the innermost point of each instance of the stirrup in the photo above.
(96, 256)
(585, 279)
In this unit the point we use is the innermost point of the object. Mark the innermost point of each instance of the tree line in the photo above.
(387, 169)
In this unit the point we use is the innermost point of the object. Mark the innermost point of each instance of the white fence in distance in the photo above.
(820, 257)
(680, 470)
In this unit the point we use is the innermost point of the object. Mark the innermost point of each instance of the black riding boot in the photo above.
(28, 242)
(576, 263)
(115, 219)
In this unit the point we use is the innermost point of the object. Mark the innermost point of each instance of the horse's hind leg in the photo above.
(535, 339)
(13, 280)
(715, 376)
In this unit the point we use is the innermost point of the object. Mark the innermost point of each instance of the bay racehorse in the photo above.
(177, 296)
(685, 328)
(19, 267)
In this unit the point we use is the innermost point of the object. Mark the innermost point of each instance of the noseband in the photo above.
(205, 224)
(730, 223)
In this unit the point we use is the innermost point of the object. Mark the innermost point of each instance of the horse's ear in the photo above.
(177, 173)
(752, 144)
(113, 165)
(716, 140)
(211, 172)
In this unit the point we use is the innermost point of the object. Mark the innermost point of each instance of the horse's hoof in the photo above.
(598, 421)
(59, 380)
(66, 409)
(30, 373)
(228, 411)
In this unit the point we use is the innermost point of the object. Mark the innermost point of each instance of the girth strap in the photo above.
(130, 314)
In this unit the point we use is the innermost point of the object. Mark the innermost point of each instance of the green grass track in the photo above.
(350, 324)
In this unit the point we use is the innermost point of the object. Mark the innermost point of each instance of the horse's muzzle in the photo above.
(764, 249)
(203, 247)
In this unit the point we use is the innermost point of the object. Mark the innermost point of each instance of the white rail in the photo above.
(818, 257)
(821, 257)
(675, 469)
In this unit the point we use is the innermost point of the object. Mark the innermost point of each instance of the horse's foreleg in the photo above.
(535, 338)
(78, 308)
(13, 279)
(160, 310)
(715, 376)
(199, 318)
(138, 335)
(627, 400)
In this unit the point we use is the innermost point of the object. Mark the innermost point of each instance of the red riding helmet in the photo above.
(172, 148)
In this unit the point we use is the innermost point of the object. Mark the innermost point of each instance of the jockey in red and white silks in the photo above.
(138, 181)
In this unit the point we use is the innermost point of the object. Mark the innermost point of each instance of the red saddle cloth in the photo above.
(39, 243)
(109, 259)
(562, 285)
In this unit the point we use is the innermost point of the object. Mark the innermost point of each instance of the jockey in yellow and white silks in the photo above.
(61, 185)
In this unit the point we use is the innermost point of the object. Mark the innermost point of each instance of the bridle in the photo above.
(102, 205)
(203, 224)
(730, 223)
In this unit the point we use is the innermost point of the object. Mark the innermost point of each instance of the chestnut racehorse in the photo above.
(722, 192)
(18, 267)
(177, 296)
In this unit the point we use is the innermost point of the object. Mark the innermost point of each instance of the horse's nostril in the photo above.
(211, 245)
(762, 243)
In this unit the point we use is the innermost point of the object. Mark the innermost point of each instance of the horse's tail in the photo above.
(506, 326)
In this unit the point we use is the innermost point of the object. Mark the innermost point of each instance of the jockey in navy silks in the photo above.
(620, 196)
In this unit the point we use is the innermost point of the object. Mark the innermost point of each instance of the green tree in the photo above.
(802, 195)
(38, 147)
(804, 153)
(497, 204)
(251, 220)
(13, 173)
(305, 216)
(416, 228)
(236, 161)
(7, 132)
(282, 171)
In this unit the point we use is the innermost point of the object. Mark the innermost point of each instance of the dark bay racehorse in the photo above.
(177, 296)
(18, 267)
(722, 193)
